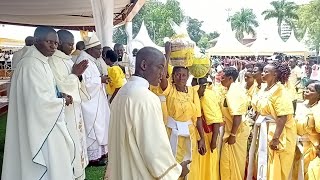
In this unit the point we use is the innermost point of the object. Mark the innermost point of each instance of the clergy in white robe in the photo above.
(17, 56)
(67, 80)
(96, 112)
(139, 147)
(38, 145)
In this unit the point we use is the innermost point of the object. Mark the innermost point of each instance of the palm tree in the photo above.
(283, 11)
(243, 21)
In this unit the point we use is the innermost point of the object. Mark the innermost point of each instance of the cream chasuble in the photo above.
(38, 144)
(61, 66)
(96, 112)
(138, 142)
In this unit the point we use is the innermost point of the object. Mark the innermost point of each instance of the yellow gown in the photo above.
(308, 127)
(278, 104)
(117, 78)
(233, 157)
(183, 107)
(314, 169)
(158, 91)
(209, 163)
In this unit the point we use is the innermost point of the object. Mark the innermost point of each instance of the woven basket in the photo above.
(200, 67)
(182, 51)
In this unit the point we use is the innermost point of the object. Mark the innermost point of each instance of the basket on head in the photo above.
(201, 67)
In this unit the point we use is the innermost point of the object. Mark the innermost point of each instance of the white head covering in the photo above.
(91, 41)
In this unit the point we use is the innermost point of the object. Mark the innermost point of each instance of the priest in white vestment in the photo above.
(38, 145)
(17, 56)
(139, 147)
(123, 60)
(67, 78)
(96, 112)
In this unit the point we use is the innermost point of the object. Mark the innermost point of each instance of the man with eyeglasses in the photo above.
(96, 112)
(38, 143)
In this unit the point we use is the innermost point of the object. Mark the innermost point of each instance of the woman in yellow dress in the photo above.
(236, 130)
(251, 115)
(212, 117)
(272, 104)
(184, 116)
(308, 125)
(249, 83)
(116, 75)
(257, 75)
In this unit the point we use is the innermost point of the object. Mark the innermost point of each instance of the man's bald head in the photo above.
(29, 41)
(46, 40)
(66, 40)
(150, 63)
(64, 35)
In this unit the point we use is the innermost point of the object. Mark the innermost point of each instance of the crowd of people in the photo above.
(95, 106)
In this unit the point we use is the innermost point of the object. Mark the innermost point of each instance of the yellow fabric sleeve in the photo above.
(316, 116)
(281, 103)
(117, 77)
(169, 88)
(237, 100)
(196, 101)
(210, 107)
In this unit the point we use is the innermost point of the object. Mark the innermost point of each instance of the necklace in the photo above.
(185, 90)
(268, 88)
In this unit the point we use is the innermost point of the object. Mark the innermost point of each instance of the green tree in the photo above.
(309, 18)
(194, 29)
(244, 21)
(283, 11)
(204, 43)
(155, 14)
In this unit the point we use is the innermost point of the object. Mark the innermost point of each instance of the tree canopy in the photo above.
(309, 19)
(156, 16)
(283, 11)
(244, 21)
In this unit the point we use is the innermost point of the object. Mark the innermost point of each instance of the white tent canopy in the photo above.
(71, 13)
(228, 45)
(267, 43)
(53, 13)
(143, 39)
(294, 47)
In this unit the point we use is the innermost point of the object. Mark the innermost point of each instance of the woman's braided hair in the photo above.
(283, 71)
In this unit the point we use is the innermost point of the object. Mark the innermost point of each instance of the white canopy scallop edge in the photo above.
(143, 39)
(228, 45)
(57, 12)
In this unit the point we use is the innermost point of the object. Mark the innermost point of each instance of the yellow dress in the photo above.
(117, 78)
(278, 104)
(233, 157)
(314, 169)
(183, 107)
(209, 163)
(308, 127)
(158, 91)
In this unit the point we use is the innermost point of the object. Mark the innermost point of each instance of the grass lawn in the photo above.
(92, 173)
